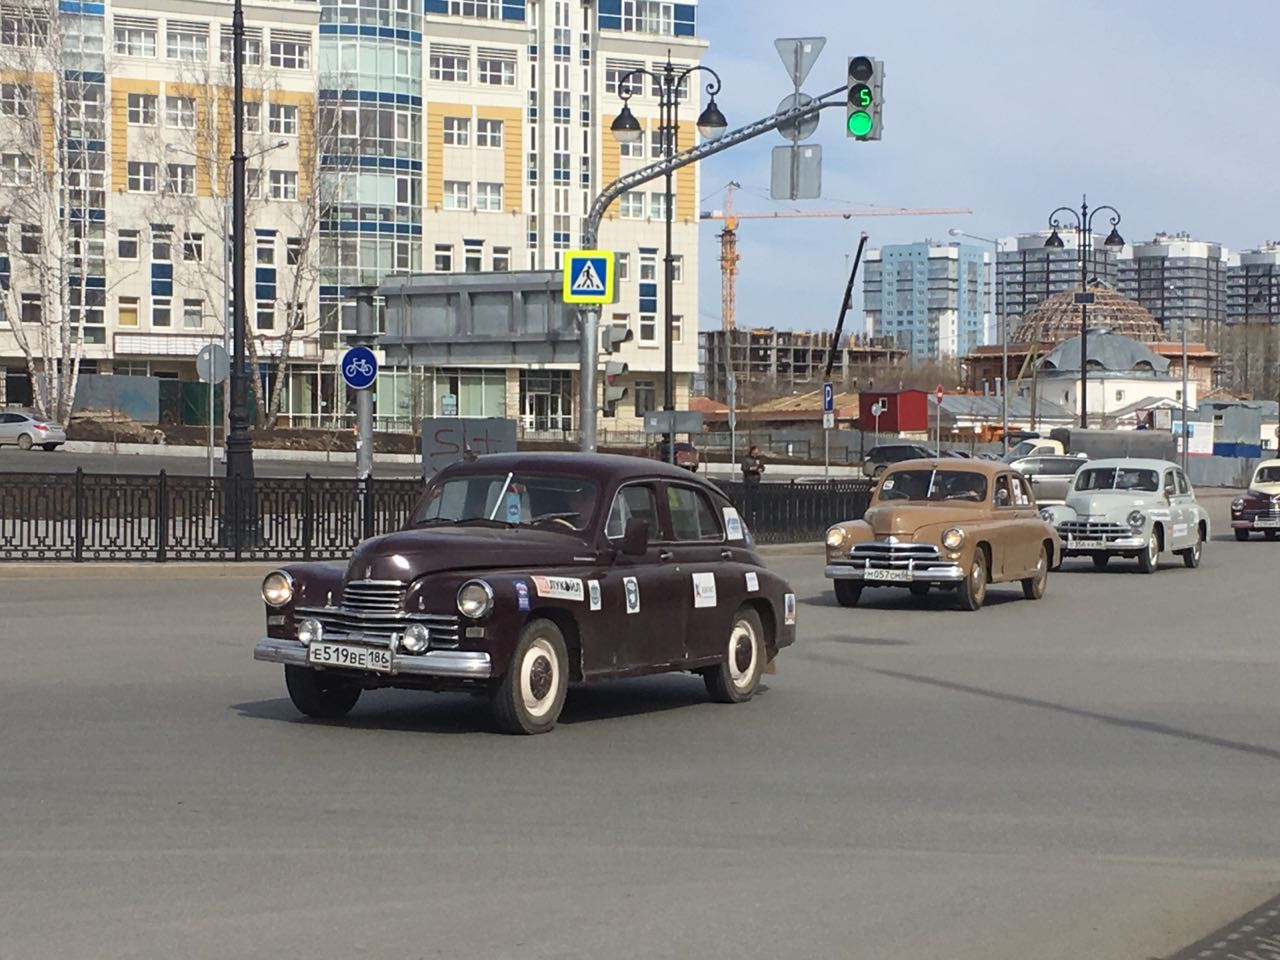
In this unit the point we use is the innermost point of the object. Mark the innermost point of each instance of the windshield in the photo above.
(934, 485)
(1267, 475)
(510, 499)
(1118, 478)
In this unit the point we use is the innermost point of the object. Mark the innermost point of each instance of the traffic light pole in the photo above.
(589, 317)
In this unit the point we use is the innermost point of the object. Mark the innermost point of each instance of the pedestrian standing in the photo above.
(752, 467)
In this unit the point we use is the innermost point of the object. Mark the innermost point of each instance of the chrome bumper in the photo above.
(1110, 546)
(858, 571)
(457, 664)
(1252, 524)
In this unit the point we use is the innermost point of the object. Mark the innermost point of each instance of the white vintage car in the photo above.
(1131, 508)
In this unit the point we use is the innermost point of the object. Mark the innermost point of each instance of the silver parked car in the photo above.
(1131, 508)
(1050, 476)
(27, 430)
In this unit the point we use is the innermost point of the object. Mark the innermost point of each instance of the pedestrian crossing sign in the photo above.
(589, 276)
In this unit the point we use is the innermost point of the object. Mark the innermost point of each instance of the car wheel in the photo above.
(735, 680)
(1149, 559)
(1191, 555)
(50, 447)
(919, 589)
(1243, 535)
(1272, 534)
(319, 694)
(848, 592)
(530, 696)
(878, 472)
(1033, 587)
(24, 442)
(972, 591)
(1100, 560)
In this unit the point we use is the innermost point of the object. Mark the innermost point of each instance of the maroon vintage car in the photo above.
(1259, 508)
(518, 574)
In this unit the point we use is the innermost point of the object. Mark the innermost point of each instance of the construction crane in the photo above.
(729, 236)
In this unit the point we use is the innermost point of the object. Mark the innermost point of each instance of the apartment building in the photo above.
(115, 133)
(1028, 272)
(1182, 281)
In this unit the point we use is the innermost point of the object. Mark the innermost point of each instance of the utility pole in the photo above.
(365, 335)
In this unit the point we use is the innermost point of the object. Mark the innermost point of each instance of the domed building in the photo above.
(1058, 318)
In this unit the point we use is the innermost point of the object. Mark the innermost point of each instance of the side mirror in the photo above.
(636, 539)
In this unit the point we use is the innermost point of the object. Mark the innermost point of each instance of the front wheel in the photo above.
(1272, 534)
(848, 592)
(736, 680)
(972, 591)
(1191, 555)
(1149, 559)
(1243, 535)
(1033, 586)
(530, 696)
(319, 694)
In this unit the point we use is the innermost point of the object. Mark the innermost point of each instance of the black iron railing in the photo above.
(103, 517)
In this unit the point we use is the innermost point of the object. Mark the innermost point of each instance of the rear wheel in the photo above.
(1149, 559)
(320, 694)
(736, 680)
(1243, 535)
(24, 442)
(972, 591)
(1191, 555)
(1100, 560)
(847, 592)
(530, 696)
(1033, 586)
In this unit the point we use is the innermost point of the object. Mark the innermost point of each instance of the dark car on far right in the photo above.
(1259, 507)
(884, 455)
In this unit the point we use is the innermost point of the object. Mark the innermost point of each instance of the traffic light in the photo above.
(864, 98)
(613, 391)
(613, 336)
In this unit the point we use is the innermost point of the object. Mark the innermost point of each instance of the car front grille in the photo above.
(372, 612)
(1270, 512)
(883, 555)
(1093, 530)
(374, 596)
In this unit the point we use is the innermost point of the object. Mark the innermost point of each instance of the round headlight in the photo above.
(475, 599)
(277, 588)
(415, 638)
(310, 631)
(1137, 519)
(1046, 514)
(951, 539)
(1237, 504)
(835, 536)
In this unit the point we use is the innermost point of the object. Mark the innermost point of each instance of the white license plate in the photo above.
(1086, 545)
(874, 574)
(349, 658)
(1266, 523)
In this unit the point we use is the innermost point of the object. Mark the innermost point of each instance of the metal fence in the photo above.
(101, 517)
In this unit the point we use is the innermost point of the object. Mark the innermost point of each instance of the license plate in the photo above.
(1266, 523)
(1086, 545)
(348, 657)
(873, 574)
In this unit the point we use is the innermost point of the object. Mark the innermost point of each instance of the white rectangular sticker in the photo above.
(789, 609)
(593, 591)
(632, 589)
(753, 582)
(704, 589)
(732, 524)
(559, 588)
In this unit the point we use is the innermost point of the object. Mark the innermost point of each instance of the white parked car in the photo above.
(27, 430)
(1131, 508)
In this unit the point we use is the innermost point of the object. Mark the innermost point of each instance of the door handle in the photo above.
(726, 554)
(664, 554)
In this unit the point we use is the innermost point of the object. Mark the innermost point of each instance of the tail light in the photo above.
(41, 426)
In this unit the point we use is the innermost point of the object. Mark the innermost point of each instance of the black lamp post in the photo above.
(626, 129)
(1084, 229)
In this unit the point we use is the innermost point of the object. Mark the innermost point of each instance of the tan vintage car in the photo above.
(953, 524)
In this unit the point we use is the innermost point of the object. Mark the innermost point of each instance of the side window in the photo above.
(1169, 485)
(691, 515)
(1004, 498)
(1183, 486)
(1022, 492)
(634, 500)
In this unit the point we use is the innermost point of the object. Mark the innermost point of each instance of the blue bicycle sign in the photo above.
(359, 368)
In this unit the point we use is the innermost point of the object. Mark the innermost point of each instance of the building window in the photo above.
(457, 195)
(193, 247)
(631, 205)
(252, 117)
(457, 131)
(484, 9)
(658, 206)
(161, 315)
(615, 70)
(135, 37)
(648, 267)
(266, 315)
(15, 100)
(1119, 395)
(142, 109)
(403, 256)
(293, 251)
(284, 184)
(635, 149)
(648, 328)
(15, 170)
(501, 259)
(192, 314)
(677, 329)
(127, 244)
(142, 177)
(473, 259)
(253, 184)
(187, 41)
(266, 249)
(282, 118)
(161, 246)
(677, 268)
(449, 63)
(489, 196)
(180, 113)
(252, 45)
(32, 309)
(646, 397)
(488, 133)
(127, 313)
(444, 258)
(496, 68)
(290, 53)
(648, 16)
(182, 179)
(624, 266)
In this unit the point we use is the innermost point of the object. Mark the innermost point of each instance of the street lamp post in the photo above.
(1001, 321)
(1084, 233)
(626, 129)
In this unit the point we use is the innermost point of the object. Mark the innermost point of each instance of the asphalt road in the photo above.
(1093, 775)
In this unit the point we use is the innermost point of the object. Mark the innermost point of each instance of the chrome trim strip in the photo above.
(457, 664)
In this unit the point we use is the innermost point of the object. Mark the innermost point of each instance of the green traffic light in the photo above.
(859, 123)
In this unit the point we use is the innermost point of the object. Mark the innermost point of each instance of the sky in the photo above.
(1164, 110)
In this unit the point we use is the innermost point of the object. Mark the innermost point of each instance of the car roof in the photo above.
(604, 468)
(988, 467)
(1133, 463)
